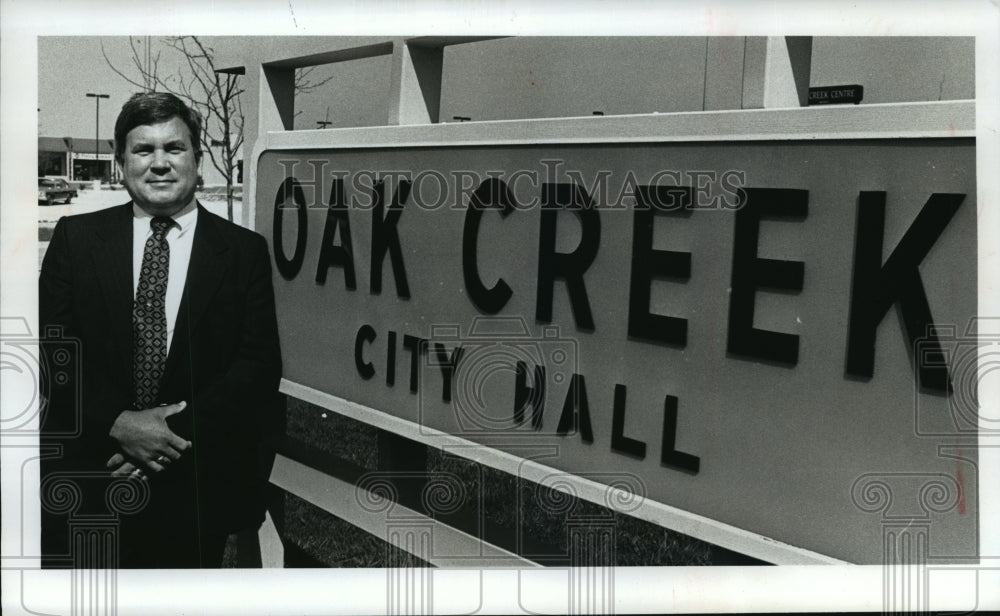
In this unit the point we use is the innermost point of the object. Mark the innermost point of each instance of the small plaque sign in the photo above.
(836, 95)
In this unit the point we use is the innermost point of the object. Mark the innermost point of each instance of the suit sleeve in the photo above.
(81, 403)
(246, 394)
(57, 322)
(55, 285)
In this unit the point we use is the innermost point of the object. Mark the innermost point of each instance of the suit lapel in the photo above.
(113, 257)
(210, 259)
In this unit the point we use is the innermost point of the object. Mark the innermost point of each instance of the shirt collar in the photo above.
(184, 219)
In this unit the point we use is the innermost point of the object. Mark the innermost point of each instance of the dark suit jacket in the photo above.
(224, 360)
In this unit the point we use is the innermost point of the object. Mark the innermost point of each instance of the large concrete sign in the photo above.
(761, 333)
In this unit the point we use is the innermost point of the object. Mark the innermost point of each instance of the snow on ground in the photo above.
(93, 200)
(213, 199)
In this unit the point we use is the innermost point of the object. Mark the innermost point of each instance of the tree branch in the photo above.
(214, 96)
(303, 80)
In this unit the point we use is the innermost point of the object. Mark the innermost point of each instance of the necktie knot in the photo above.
(160, 225)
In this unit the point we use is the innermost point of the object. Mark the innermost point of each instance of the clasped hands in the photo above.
(147, 442)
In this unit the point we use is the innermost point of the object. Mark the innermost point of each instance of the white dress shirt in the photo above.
(180, 238)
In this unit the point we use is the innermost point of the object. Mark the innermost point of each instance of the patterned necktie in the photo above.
(149, 315)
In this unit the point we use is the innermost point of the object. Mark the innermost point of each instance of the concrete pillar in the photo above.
(776, 71)
(415, 84)
(276, 98)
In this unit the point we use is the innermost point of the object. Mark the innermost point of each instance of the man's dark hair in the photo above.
(152, 108)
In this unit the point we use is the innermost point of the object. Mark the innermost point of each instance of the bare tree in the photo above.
(216, 96)
(306, 82)
(143, 60)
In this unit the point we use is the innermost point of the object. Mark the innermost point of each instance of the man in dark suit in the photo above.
(173, 311)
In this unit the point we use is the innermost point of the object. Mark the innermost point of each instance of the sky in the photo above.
(71, 66)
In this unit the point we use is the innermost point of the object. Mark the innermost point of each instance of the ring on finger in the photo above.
(161, 459)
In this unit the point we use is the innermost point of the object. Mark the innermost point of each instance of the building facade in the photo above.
(87, 160)
(77, 160)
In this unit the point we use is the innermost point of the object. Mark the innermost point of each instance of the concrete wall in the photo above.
(898, 69)
(530, 77)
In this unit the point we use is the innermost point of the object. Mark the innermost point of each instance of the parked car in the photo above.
(51, 190)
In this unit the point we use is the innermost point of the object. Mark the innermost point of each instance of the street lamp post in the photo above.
(97, 130)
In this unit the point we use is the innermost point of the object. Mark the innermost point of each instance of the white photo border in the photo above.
(638, 589)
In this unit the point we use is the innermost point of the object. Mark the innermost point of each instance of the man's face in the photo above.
(159, 167)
